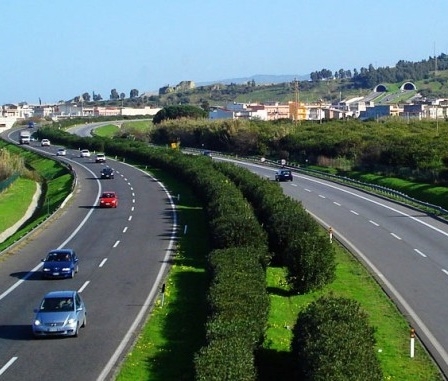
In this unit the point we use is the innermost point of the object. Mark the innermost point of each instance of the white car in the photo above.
(45, 142)
(84, 153)
(100, 158)
(61, 152)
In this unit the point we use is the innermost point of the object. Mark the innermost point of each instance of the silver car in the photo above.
(60, 313)
(61, 152)
(84, 153)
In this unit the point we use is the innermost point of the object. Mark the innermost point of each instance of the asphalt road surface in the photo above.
(124, 254)
(123, 250)
(405, 249)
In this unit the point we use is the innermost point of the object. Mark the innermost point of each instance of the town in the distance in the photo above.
(380, 102)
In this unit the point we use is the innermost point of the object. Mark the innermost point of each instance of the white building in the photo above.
(239, 111)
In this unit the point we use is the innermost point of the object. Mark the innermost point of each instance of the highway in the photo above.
(405, 249)
(124, 254)
(123, 251)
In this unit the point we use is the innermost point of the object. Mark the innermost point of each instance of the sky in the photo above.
(56, 50)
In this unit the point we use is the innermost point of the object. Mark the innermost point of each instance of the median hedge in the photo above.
(295, 239)
(238, 302)
(333, 341)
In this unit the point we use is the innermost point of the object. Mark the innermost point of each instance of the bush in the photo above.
(332, 340)
(310, 261)
(225, 359)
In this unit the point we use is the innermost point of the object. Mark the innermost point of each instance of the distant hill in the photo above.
(260, 79)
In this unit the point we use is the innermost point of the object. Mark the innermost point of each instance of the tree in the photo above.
(114, 95)
(177, 112)
(97, 97)
(133, 94)
(122, 96)
(86, 97)
(205, 105)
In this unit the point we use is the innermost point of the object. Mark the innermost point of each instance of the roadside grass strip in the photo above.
(352, 281)
(14, 201)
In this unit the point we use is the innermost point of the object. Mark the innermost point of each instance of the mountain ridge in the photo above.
(259, 79)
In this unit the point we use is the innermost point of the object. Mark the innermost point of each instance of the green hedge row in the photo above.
(295, 239)
(238, 302)
(237, 321)
(237, 295)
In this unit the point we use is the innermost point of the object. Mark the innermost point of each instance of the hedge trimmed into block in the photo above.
(332, 340)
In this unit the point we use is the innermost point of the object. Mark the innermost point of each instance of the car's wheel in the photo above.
(84, 322)
(72, 274)
(76, 331)
(77, 269)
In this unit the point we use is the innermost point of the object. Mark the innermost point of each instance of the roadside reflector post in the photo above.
(185, 229)
(412, 349)
(163, 294)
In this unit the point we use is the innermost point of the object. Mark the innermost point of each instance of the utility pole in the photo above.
(296, 101)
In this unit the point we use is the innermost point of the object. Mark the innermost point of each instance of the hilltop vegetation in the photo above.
(430, 77)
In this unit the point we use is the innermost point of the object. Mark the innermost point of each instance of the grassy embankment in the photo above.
(14, 201)
(166, 346)
(58, 185)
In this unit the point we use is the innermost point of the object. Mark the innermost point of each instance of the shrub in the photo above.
(310, 262)
(332, 340)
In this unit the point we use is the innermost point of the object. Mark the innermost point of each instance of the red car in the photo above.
(108, 200)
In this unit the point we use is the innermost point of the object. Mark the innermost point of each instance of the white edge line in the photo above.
(102, 262)
(410, 312)
(152, 294)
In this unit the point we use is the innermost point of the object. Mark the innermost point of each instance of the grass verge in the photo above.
(352, 281)
(15, 200)
(166, 345)
(56, 187)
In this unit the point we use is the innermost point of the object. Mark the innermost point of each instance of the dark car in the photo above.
(60, 263)
(107, 173)
(283, 175)
(60, 313)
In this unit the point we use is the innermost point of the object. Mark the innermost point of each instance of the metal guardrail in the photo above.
(7, 182)
(388, 193)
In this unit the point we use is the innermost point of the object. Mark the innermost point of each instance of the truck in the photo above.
(25, 137)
